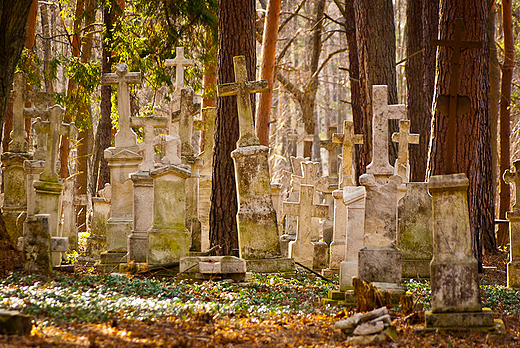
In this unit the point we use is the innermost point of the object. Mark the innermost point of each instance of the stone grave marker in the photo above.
(332, 149)
(180, 63)
(513, 266)
(347, 139)
(96, 242)
(256, 217)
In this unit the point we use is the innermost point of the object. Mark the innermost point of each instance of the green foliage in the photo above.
(94, 298)
(28, 66)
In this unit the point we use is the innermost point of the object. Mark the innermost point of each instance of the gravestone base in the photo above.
(110, 261)
(330, 272)
(275, 265)
(415, 268)
(479, 319)
(337, 254)
(36, 245)
(513, 266)
(380, 265)
(95, 246)
(117, 231)
(137, 246)
(455, 286)
(340, 298)
(320, 258)
(347, 270)
(166, 246)
(513, 274)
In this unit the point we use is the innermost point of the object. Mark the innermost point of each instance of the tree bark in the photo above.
(362, 152)
(236, 36)
(265, 101)
(472, 151)
(376, 52)
(505, 103)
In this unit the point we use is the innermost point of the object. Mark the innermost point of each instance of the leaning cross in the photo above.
(331, 147)
(347, 139)
(146, 147)
(511, 177)
(243, 89)
(54, 129)
(404, 138)
(185, 117)
(125, 136)
(382, 112)
(457, 105)
(179, 62)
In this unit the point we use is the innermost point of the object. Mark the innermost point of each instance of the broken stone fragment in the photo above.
(369, 339)
(385, 319)
(369, 328)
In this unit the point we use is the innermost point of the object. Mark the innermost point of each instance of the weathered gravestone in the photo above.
(456, 298)
(48, 188)
(347, 139)
(188, 108)
(96, 242)
(256, 217)
(404, 138)
(123, 159)
(379, 259)
(143, 186)
(513, 266)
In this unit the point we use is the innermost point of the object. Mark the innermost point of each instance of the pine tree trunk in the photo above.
(472, 151)
(236, 36)
(376, 52)
(362, 152)
(505, 102)
(265, 101)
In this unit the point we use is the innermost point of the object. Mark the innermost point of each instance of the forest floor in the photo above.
(86, 309)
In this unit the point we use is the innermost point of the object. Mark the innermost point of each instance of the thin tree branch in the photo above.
(289, 85)
(287, 45)
(288, 19)
(315, 75)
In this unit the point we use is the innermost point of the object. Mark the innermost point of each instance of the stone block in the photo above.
(277, 265)
(113, 258)
(117, 231)
(320, 257)
(137, 246)
(513, 274)
(165, 246)
(415, 268)
(224, 265)
(348, 269)
(336, 295)
(380, 265)
(36, 249)
(455, 287)
(477, 319)
(15, 323)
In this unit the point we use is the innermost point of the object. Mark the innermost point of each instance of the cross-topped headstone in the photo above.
(310, 177)
(513, 177)
(54, 129)
(382, 112)
(188, 109)
(404, 138)
(146, 147)
(347, 139)
(331, 147)
(243, 88)
(18, 135)
(125, 136)
(454, 105)
(180, 63)
(302, 249)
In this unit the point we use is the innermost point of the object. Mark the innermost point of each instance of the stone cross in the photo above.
(404, 138)
(302, 249)
(454, 109)
(54, 129)
(18, 135)
(513, 177)
(243, 89)
(347, 139)
(331, 147)
(125, 136)
(310, 177)
(146, 148)
(382, 112)
(185, 117)
(207, 125)
(179, 62)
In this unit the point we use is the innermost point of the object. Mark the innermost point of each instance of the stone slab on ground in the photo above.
(15, 323)
(479, 319)
(223, 265)
(277, 265)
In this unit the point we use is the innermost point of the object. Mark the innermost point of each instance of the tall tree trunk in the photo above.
(505, 102)
(376, 51)
(103, 139)
(357, 97)
(236, 36)
(13, 23)
(265, 101)
(47, 47)
(417, 105)
(472, 145)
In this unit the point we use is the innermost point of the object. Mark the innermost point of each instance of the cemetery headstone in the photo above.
(256, 217)
(96, 242)
(404, 138)
(513, 266)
